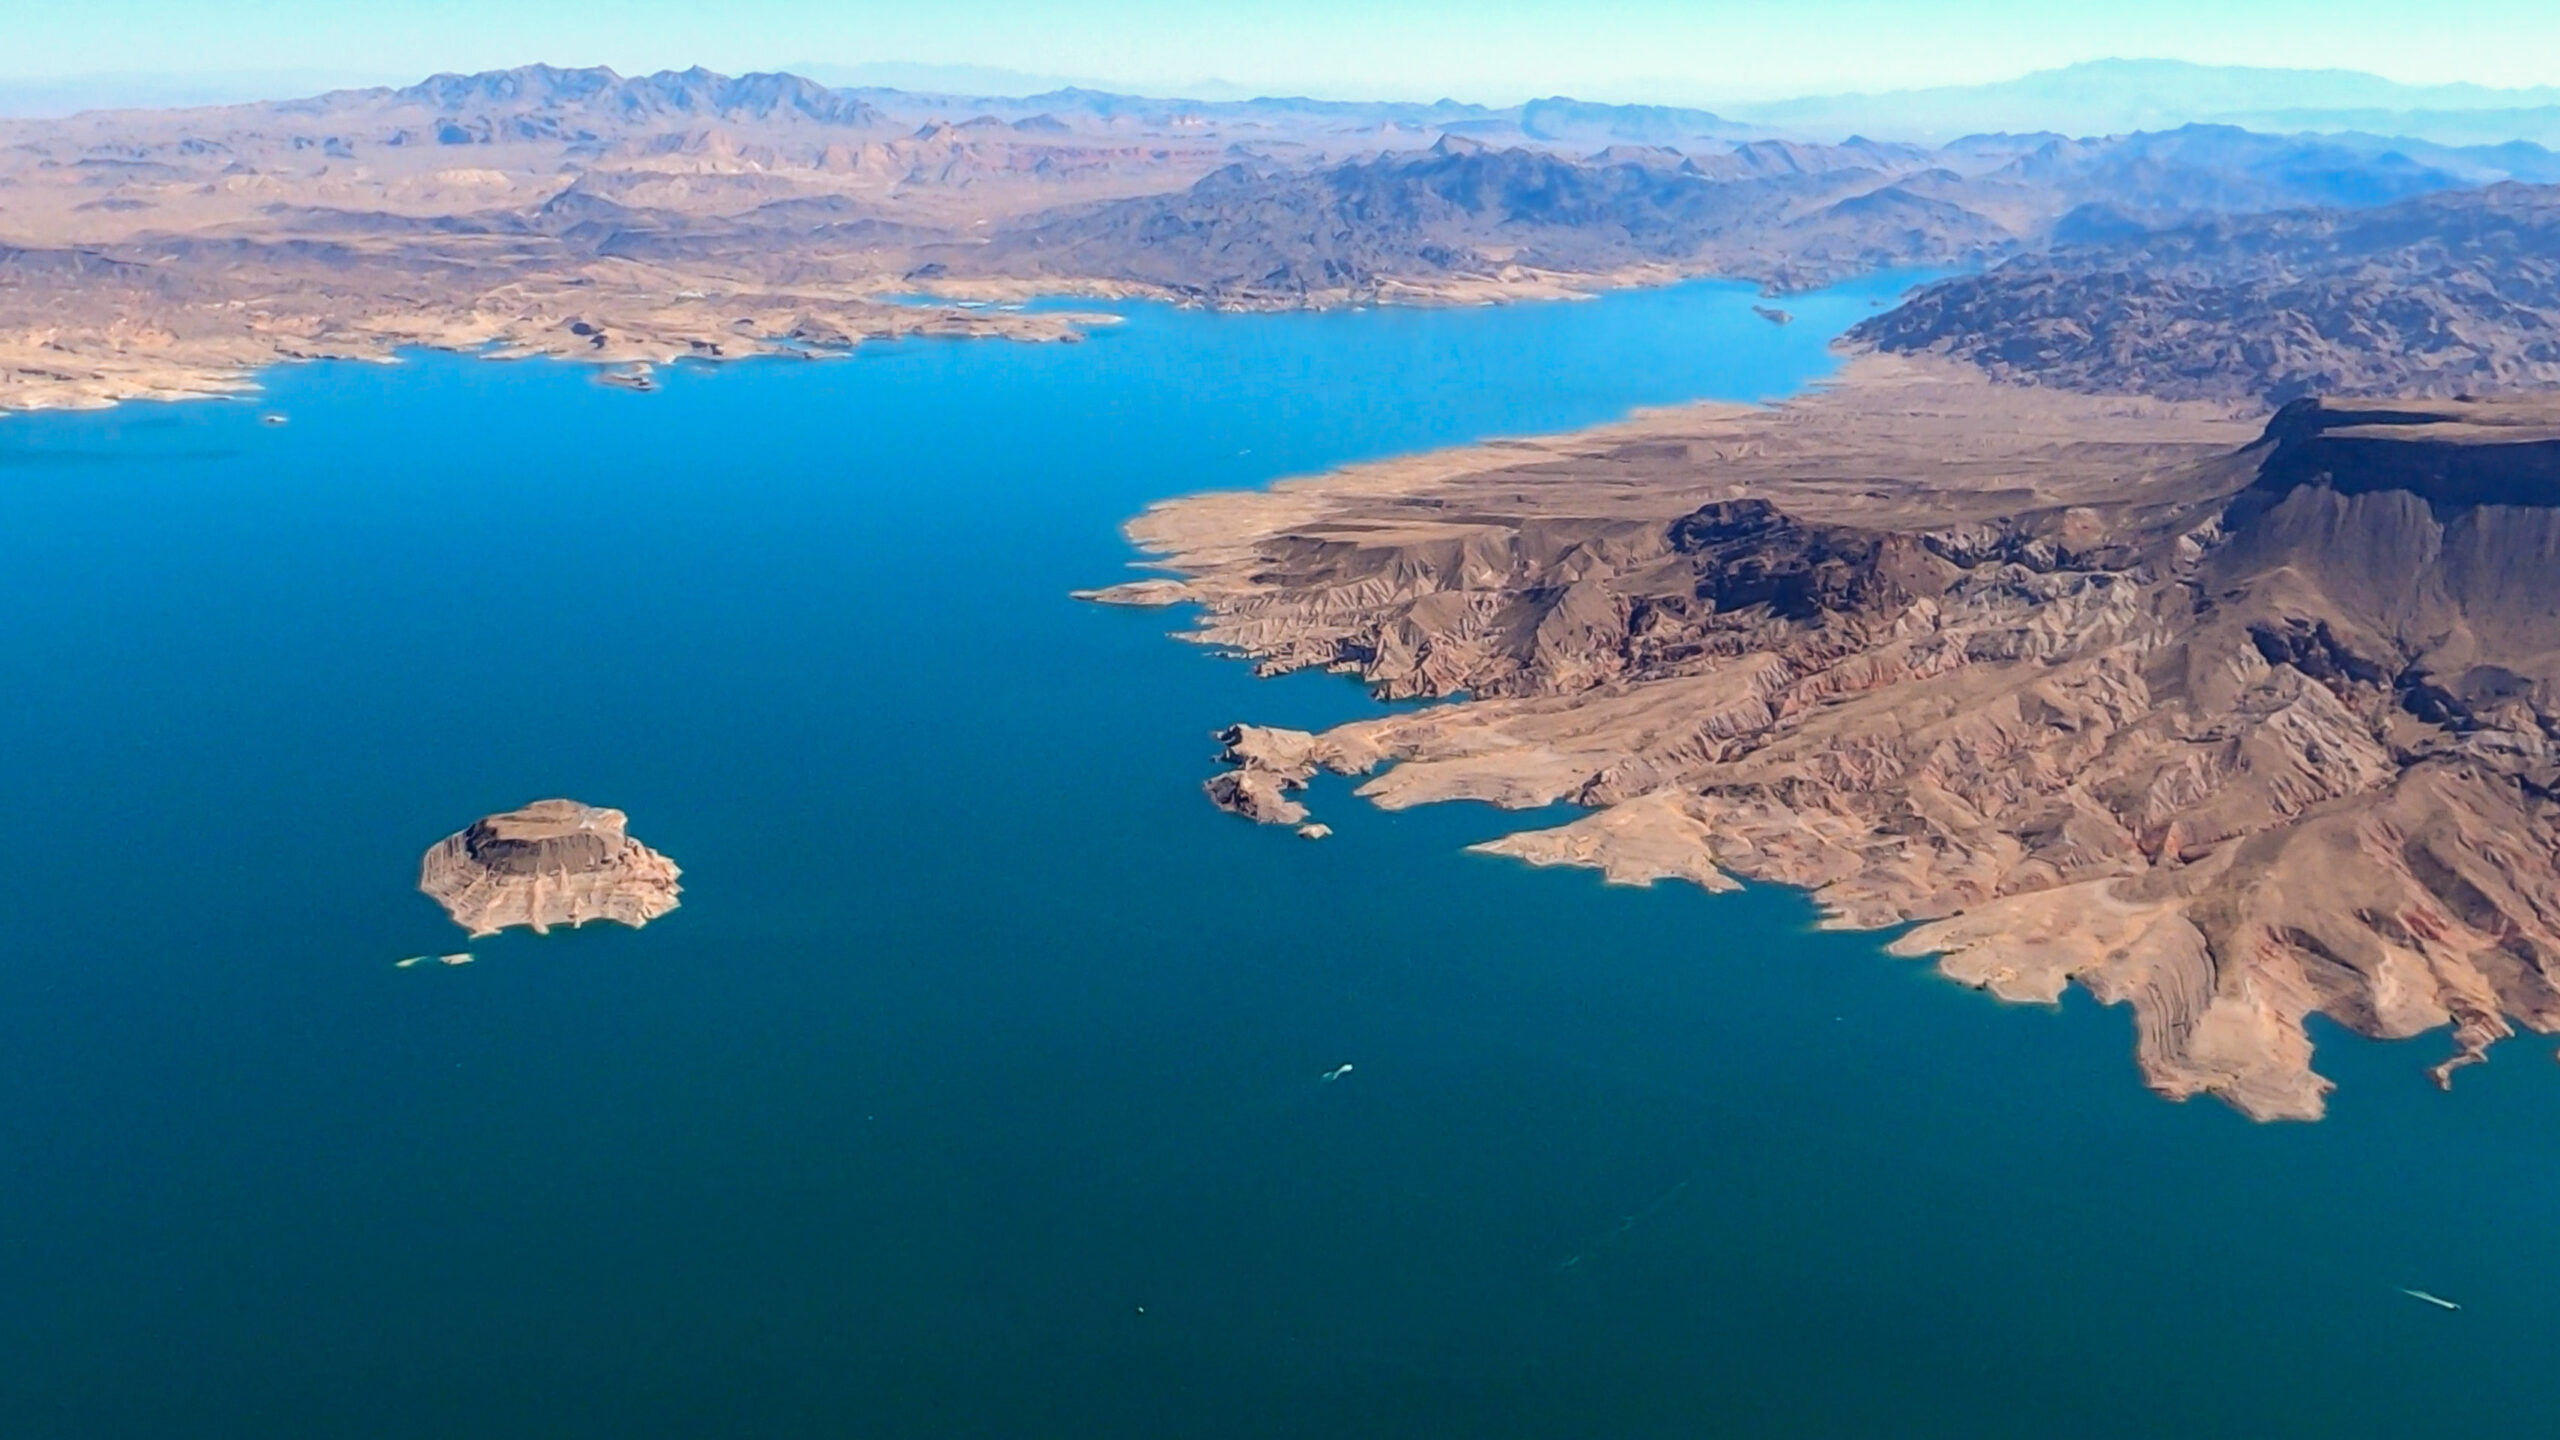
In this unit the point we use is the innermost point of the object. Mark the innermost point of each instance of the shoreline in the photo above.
(37, 378)
(206, 348)
(1902, 641)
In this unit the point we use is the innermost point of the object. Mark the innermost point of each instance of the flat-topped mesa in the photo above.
(554, 862)
(2231, 725)
(2446, 452)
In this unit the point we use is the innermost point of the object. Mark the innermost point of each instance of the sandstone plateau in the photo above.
(2230, 719)
(554, 862)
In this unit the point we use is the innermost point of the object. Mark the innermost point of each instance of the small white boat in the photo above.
(1334, 1074)
(464, 959)
(2438, 1301)
(405, 964)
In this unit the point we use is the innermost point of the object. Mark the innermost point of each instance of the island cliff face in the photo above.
(2232, 722)
(554, 862)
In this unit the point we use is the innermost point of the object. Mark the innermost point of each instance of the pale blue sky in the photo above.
(1491, 50)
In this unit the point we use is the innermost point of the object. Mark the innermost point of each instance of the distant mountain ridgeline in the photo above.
(2098, 97)
(697, 143)
(593, 103)
(1781, 211)
(2118, 96)
(1274, 201)
(541, 102)
(1254, 236)
(2189, 260)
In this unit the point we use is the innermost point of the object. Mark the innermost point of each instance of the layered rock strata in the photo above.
(554, 862)
(2231, 722)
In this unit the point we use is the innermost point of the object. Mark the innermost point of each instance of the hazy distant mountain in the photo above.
(2113, 97)
(69, 94)
(2221, 169)
(1560, 119)
(938, 79)
(2102, 97)
(1464, 215)
(544, 101)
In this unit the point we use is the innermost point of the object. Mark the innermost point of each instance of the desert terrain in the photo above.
(2159, 603)
(2234, 719)
(686, 215)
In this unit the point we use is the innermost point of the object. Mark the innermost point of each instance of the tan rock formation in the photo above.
(554, 862)
(2231, 728)
(1257, 794)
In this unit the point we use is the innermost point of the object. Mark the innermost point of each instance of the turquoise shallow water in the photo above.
(978, 1029)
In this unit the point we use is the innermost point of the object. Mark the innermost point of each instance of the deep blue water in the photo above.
(979, 1030)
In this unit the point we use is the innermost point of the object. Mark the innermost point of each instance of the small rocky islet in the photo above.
(553, 862)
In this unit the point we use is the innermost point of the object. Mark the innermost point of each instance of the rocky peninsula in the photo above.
(2232, 719)
(554, 862)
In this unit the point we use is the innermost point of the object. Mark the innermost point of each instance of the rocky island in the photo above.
(554, 862)
(2234, 719)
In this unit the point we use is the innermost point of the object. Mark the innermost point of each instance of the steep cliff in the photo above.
(554, 862)
(2232, 727)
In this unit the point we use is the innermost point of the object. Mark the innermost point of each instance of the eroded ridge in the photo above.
(2230, 721)
(554, 862)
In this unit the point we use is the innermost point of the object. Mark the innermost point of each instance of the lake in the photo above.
(974, 1089)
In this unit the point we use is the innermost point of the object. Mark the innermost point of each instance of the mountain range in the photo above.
(2097, 97)
(2112, 97)
(2442, 295)
(1463, 216)
(517, 205)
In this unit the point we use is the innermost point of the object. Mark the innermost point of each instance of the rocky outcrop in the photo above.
(2233, 733)
(554, 862)
(2448, 294)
